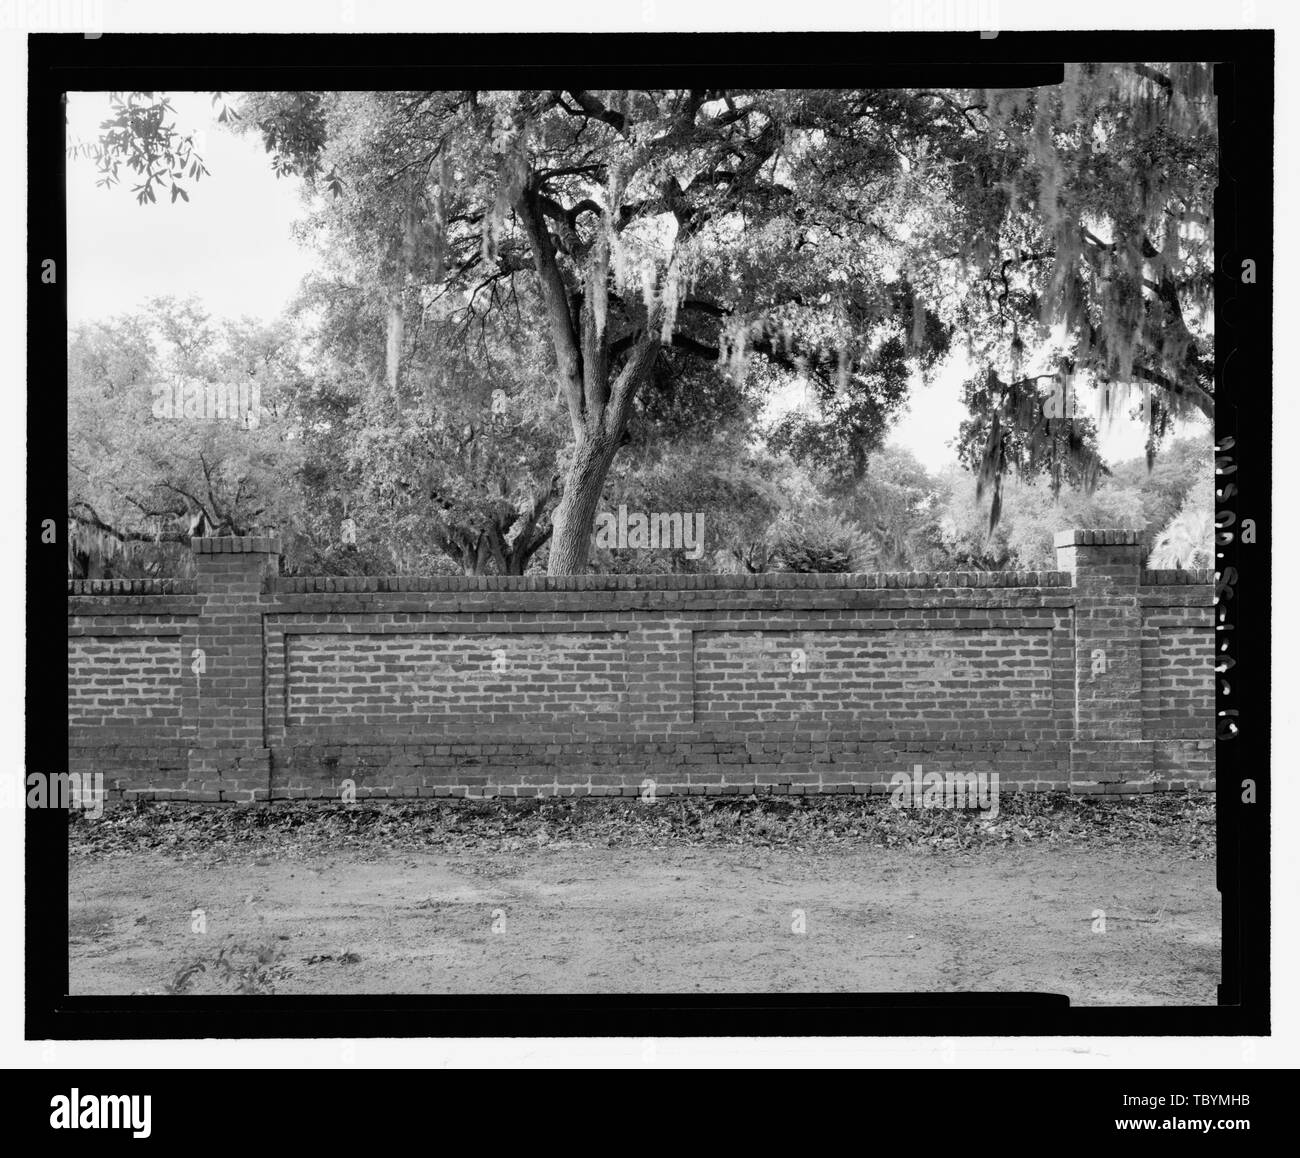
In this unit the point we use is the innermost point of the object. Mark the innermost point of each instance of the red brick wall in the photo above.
(339, 683)
(596, 684)
(906, 674)
(130, 708)
(125, 678)
(1178, 694)
(1177, 673)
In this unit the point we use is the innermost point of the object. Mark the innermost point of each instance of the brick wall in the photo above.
(1097, 677)
(1178, 673)
(338, 683)
(906, 673)
(137, 676)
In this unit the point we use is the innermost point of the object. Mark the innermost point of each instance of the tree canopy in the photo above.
(628, 267)
(151, 461)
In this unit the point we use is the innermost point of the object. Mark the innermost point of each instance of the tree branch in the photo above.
(634, 371)
(589, 105)
(93, 520)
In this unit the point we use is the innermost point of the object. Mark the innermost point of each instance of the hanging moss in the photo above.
(647, 271)
(393, 350)
(841, 369)
(438, 224)
(679, 281)
(598, 282)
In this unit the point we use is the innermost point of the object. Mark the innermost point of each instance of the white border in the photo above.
(634, 16)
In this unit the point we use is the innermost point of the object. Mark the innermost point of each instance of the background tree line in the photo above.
(324, 455)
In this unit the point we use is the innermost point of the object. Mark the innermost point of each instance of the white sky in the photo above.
(230, 246)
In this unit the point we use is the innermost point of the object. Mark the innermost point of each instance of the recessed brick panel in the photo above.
(1178, 674)
(124, 681)
(896, 684)
(447, 679)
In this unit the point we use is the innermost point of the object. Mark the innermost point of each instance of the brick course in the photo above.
(1097, 678)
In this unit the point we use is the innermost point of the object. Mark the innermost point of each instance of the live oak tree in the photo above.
(721, 224)
(438, 421)
(699, 221)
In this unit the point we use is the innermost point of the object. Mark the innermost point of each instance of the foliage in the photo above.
(1183, 466)
(639, 220)
(140, 483)
(667, 259)
(1187, 540)
(894, 505)
(815, 538)
(1012, 428)
(235, 968)
(1128, 498)
(457, 462)
(716, 477)
(140, 135)
(374, 830)
(1084, 214)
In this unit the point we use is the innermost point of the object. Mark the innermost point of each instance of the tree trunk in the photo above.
(516, 559)
(598, 407)
(584, 483)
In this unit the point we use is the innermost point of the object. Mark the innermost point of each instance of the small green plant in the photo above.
(816, 540)
(238, 968)
(1187, 540)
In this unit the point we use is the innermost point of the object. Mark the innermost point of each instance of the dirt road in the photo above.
(564, 918)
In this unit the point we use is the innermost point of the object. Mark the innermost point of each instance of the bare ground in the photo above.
(611, 897)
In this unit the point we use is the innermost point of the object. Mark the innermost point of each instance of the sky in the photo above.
(230, 246)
